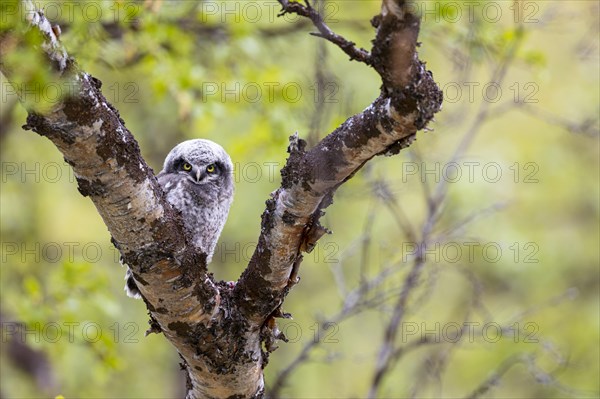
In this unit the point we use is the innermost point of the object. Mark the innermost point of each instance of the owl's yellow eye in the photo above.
(210, 168)
(187, 167)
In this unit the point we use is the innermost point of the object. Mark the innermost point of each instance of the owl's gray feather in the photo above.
(197, 178)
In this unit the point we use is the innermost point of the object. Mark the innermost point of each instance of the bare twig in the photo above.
(293, 7)
(435, 203)
(365, 296)
(588, 126)
(366, 244)
(470, 218)
(387, 196)
(540, 376)
(568, 295)
(496, 375)
(498, 76)
(385, 357)
(323, 80)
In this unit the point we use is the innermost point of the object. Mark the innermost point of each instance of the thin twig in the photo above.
(384, 360)
(588, 127)
(366, 244)
(540, 376)
(435, 203)
(496, 375)
(365, 296)
(293, 7)
(498, 76)
(470, 218)
(390, 200)
(282, 377)
(322, 80)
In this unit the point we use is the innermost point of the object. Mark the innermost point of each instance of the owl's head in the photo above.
(202, 162)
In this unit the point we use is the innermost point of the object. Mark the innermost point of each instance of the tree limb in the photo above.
(145, 228)
(408, 100)
(217, 330)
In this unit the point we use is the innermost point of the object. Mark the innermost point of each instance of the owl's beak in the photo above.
(198, 174)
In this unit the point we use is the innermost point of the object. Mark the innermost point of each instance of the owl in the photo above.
(197, 178)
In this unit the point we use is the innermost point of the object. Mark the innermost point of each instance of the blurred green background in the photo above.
(515, 251)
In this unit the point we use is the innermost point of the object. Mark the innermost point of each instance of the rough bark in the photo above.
(224, 335)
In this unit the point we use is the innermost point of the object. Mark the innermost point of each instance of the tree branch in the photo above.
(219, 331)
(145, 228)
(408, 101)
(325, 32)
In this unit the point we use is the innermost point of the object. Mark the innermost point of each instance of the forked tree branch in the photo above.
(220, 331)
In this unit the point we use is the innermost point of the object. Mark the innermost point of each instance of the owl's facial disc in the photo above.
(202, 163)
(198, 173)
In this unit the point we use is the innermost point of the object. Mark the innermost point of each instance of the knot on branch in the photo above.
(297, 145)
(411, 106)
(293, 170)
(154, 328)
(429, 97)
(312, 233)
(270, 333)
(422, 95)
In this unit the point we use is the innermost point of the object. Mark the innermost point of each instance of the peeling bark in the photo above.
(219, 331)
